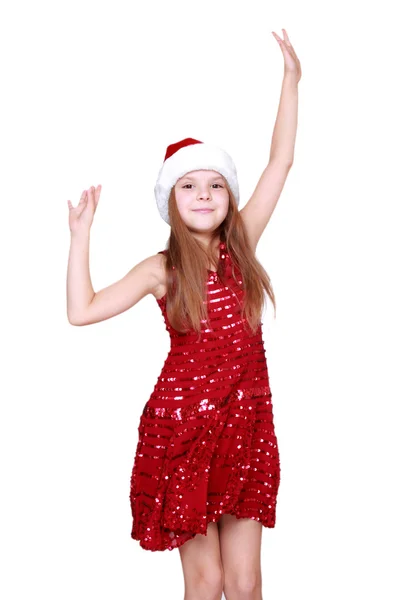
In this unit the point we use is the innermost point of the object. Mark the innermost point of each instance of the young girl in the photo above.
(206, 471)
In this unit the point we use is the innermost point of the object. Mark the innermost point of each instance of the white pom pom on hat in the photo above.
(192, 155)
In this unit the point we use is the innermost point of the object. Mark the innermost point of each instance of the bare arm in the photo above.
(84, 306)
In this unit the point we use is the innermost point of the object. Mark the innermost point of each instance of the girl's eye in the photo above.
(192, 184)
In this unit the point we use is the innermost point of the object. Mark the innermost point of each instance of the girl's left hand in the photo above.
(292, 63)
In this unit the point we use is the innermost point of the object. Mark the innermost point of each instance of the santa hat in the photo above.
(192, 155)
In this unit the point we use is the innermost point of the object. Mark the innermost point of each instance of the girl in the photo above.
(206, 471)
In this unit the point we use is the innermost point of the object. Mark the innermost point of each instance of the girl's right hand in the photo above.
(81, 217)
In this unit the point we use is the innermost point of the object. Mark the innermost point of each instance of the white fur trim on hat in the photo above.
(192, 158)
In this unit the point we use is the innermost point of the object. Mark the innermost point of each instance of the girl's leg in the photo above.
(202, 567)
(240, 542)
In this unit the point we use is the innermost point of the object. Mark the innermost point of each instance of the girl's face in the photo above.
(198, 190)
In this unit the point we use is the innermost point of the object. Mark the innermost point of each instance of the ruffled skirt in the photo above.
(197, 461)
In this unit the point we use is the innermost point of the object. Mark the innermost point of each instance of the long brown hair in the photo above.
(187, 267)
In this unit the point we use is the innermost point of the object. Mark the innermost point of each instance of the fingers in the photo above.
(286, 37)
(83, 197)
(282, 43)
(287, 41)
(97, 194)
(284, 40)
(94, 195)
(88, 195)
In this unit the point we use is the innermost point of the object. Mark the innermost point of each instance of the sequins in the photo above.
(207, 443)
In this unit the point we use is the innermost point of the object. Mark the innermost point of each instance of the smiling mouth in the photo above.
(203, 209)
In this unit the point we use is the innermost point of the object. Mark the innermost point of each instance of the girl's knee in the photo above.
(205, 584)
(246, 586)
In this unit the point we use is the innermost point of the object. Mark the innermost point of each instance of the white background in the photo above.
(93, 92)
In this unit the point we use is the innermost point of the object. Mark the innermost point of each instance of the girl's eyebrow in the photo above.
(191, 178)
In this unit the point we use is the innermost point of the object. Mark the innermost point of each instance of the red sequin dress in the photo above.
(207, 443)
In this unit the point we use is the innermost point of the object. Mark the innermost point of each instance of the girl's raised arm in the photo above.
(84, 305)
